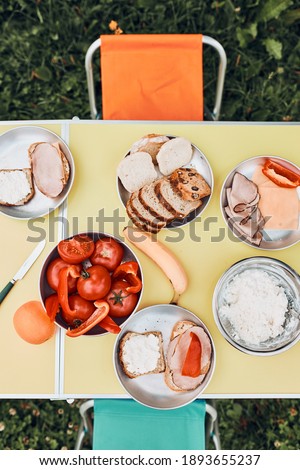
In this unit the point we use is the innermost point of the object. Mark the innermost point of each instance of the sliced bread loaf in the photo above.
(142, 353)
(172, 201)
(149, 200)
(143, 213)
(16, 186)
(136, 170)
(138, 222)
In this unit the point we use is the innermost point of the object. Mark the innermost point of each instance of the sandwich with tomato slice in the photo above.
(188, 357)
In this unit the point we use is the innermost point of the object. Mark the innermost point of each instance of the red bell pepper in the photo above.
(129, 272)
(62, 291)
(281, 175)
(109, 325)
(52, 306)
(192, 362)
(99, 314)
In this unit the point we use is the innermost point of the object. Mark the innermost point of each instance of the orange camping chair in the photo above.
(153, 77)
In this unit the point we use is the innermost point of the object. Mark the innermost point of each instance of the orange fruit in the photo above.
(32, 323)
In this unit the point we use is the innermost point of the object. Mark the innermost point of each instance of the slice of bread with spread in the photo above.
(142, 353)
(16, 186)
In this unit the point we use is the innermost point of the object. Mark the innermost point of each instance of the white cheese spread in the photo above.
(14, 186)
(255, 305)
(141, 353)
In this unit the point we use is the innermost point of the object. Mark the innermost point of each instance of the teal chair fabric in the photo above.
(124, 424)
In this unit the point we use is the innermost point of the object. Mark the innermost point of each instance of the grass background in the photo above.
(42, 49)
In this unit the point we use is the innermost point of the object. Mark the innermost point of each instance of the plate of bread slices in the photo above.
(36, 172)
(164, 181)
(164, 357)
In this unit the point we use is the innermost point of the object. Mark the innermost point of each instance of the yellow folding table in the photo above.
(83, 367)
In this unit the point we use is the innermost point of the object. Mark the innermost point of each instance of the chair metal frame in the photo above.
(86, 424)
(207, 40)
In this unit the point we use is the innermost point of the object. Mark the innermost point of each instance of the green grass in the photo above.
(43, 45)
(42, 49)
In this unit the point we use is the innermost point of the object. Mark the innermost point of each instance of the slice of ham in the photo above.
(243, 191)
(176, 355)
(50, 168)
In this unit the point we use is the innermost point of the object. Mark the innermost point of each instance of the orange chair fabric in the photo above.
(152, 77)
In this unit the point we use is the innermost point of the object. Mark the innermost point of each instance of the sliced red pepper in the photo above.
(52, 306)
(96, 317)
(129, 272)
(192, 362)
(281, 175)
(109, 325)
(62, 291)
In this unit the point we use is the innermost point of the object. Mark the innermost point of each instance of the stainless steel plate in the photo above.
(151, 390)
(201, 164)
(14, 146)
(45, 290)
(272, 239)
(286, 278)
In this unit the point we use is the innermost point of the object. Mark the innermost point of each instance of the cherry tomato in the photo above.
(76, 249)
(83, 309)
(120, 302)
(94, 283)
(52, 275)
(108, 253)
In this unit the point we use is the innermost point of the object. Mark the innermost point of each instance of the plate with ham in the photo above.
(260, 202)
(36, 172)
(164, 357)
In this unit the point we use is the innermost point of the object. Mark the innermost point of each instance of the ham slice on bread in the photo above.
(177, 353)
(50, 167)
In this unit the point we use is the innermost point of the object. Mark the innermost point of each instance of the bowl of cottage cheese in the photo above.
(256, 305)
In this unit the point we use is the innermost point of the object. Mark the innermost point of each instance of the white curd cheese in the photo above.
(255, 305)
(141, 353)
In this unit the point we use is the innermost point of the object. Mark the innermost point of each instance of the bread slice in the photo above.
(142, 353)
(50, 167)
(143, 213)
(172, 201)
(149, 200)
(150, 143)
(138, 222)
(174, 154)
(136, 170)
(189, 184)
(16, 186)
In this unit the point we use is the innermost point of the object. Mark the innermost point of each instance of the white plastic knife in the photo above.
(23, 270)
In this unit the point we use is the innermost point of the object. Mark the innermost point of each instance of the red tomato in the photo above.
(108, 253)
(121, 303)
(83, 308)
(94, 283)
(52, 275)
(77, 249)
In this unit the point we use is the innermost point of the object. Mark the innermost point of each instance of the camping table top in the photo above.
(82, 367)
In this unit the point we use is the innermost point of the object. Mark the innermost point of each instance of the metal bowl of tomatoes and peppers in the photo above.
(90, 284)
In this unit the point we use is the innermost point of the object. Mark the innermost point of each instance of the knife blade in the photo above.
(23, 269)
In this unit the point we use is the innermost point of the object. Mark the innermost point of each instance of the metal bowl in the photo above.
(151, 390)
(45, 290)
(288, 280)
(201, 164)
(272, 239)
(14, 146)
